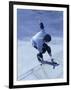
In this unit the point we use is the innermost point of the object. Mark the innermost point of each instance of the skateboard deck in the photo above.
(54, 64)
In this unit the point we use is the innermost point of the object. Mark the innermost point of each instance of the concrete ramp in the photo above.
(44, 71)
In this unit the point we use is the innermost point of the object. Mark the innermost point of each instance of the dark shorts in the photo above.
(46, 48)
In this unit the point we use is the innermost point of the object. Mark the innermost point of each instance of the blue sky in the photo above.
(28, 23)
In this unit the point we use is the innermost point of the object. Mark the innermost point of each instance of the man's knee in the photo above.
(40, 56)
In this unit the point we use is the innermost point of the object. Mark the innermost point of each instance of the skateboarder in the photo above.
(40, 42)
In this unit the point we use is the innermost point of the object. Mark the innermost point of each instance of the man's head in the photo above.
(41, 25)
(47, 38)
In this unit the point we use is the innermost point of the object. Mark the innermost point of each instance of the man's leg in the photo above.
(40, 57)
(48, 49)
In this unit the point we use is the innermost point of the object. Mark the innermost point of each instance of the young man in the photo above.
(40, 42)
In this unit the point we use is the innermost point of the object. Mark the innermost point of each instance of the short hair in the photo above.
(41, 25)
(47, 38)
